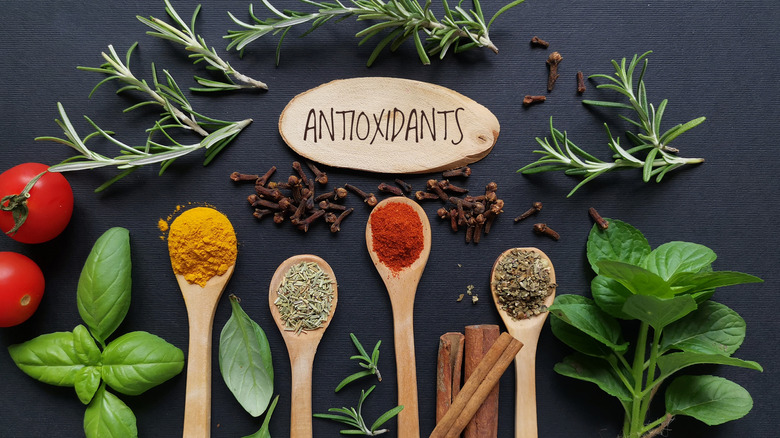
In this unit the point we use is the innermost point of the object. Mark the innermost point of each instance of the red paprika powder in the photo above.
(397, 235)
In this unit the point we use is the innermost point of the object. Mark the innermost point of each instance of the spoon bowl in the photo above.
(301, 347)
(526, 331)
(402, 286)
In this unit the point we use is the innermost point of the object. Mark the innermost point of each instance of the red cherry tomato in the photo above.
(48, 206)
(21, 288)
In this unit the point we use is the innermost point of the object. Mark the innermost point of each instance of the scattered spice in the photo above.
(522, 283)
(530, 100)
(536, 41)
(536, 207)
(544, 230)
(202, 244)
(600, 221)
(304, 297)
(464, 172)
(474, 299)
(552, 62)
(580, 82)
(460, 297)
(397, 235)
(475, 213)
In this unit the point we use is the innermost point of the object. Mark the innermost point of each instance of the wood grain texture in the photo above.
(388, 125)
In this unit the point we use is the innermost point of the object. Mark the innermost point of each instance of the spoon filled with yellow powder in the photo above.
(202, 247)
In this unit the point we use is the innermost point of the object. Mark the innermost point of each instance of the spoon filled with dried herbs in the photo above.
(523, 287)
(398, 236)
(202, 248)
(302, 297)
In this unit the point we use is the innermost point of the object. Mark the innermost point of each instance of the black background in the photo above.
(711, 58)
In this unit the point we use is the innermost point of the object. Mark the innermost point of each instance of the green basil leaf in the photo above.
(698, 281)
(245, 361)
(712, 329)
(87, 383)
(50, 358)
(583, 314)
(577, 339)
(670, 363)
(610, 295)
(636, 279)
(620, 242)
(103, 295)
(86, 349)
(709, 399)
(675, 257)
(109, 417)
(138, 361)
(264, 431)
(659, 312)
(594, 370)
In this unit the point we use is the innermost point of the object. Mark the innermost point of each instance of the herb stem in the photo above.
(636, 424)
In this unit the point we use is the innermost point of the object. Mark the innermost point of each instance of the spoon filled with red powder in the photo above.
(398, 236)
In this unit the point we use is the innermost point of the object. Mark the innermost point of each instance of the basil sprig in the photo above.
(82, 359)
(667, 291)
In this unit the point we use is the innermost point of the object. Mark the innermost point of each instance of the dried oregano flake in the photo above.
(522, 283)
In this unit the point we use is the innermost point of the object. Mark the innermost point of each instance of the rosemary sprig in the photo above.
(186, 36)
(659, 156)
(134, 157)
(458, 30)
(370, 363)
(354, 417)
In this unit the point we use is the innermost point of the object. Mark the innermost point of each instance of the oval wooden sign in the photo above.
(388, 125)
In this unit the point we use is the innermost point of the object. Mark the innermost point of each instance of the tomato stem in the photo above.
(17, 204)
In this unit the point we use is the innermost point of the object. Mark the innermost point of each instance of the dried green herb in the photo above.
(304, 297)
(522, 283)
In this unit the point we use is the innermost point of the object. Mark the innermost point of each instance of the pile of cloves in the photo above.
(296, 200)
(474, 213)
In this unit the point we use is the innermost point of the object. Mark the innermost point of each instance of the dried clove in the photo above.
(552, 62)
(304, 225)
(600, 221)
(536, 207)
(449, 187)
(406, 187)
(240, 177)
(319, 176)
(301, 174)
(536, 41)
(325, 205)
(387, 188)
(264, 179)
(336, 225)
(464, 171)
(368, 198)
(261, 213)
(434, 186)
(530, 100)
(544, 230)
(580, 82)
(423, 196)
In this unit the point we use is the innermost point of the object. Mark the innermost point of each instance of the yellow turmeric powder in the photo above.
(202, 244)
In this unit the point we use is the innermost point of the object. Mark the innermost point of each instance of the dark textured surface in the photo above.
(712, 58)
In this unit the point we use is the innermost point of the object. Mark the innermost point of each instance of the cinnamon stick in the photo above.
(448, 371)
(477, 388)
(478, 340)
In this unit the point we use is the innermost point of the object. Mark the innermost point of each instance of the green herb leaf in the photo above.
(583, 314)
(673, 362)
(103, 295)
(86, 349)
(709, 399)
(712, 329)
(245, 361)
(689, 281)
(676, 257)
(620, 242)
(109, 417)
(658, 312)
(594, 370)
(264, 431)
(577, 339)
(138, 361)
(87, 383)
(49, 358)
(610, 296)
(384, 418)
(638, 280)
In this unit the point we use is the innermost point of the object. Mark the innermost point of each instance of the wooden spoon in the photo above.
(201, 303)
(402, 286)
(301, 347)
(526, 331)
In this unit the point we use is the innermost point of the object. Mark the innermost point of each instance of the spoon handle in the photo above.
(301, 361)
(525, 394)
(408, 419)
(197, 404)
